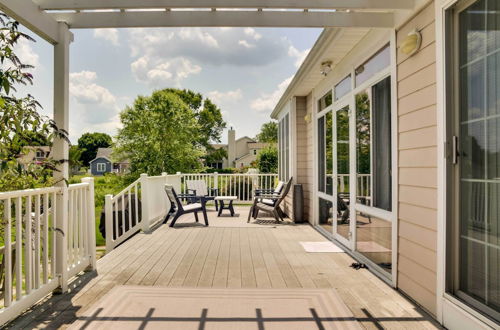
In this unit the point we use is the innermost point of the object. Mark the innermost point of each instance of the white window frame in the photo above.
(99, 167)
(285, 164)
(349, 98)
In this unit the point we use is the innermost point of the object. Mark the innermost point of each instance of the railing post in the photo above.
(61, 227)
(216, 181)
(108, 215)
(145, 202)
(91, 245)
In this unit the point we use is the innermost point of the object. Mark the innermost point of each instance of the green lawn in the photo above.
(103, 185)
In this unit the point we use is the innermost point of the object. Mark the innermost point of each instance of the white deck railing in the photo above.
(37, 255)
(144, 204)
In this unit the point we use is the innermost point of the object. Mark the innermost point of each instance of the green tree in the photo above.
(161, 133)
(90, 142)
(208, 115)
(267, 160)
(75, 158)
(20, 121)
(268, 133)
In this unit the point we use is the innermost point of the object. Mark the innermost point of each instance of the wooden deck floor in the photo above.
(231, 254)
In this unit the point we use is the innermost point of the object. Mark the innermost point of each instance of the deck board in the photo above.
(230, 254)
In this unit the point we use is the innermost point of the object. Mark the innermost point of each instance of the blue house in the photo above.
(102, 163)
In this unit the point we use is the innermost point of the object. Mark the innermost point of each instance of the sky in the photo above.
(243, 70)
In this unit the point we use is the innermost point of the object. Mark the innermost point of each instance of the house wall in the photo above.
(417, 139)
(93, 166)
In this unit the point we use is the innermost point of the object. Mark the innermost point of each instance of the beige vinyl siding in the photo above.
(303, 158)
(417, 144)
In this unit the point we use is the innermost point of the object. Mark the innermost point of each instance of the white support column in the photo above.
(60, 149)
(144, 202)
(91, 239)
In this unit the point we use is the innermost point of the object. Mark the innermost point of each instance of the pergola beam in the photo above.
(128, 19)
(30, 15)
(268, 4)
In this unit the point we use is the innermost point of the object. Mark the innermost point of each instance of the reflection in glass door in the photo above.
(341, 160)
(476, 219)
(326, 209)
(374, 179)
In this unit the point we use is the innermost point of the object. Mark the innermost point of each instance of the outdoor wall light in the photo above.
(307, 118)
(411, 44)
(326, 68)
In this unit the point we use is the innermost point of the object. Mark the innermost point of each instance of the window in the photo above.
(379, 61)
(101, 167)
(284, 148)
(325, 153)
(325, 101)
(40, 154)
(474, 261)
(255, 151)
(373, 145)
(343, 88)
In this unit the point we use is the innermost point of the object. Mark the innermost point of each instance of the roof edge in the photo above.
(316, 51)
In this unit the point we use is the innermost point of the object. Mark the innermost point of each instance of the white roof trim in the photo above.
(109, 160)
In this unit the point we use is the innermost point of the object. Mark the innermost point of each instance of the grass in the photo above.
(103, 185)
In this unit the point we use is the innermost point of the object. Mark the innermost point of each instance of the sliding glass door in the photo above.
(474, 245)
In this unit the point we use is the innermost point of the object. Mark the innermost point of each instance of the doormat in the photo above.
(320, 247)
(147, 307)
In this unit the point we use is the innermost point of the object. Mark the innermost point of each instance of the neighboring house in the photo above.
(103, 163)
(394, 135)
(241, 152)
(34, 155)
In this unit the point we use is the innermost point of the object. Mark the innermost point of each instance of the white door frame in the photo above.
(451, 312)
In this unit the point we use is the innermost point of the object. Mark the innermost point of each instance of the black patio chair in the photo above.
(177, 209)
(259, 204)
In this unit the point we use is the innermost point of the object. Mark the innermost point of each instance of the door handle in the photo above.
(454, 150)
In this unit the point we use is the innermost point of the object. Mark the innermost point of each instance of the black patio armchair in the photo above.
(177, 209)
(270, 203)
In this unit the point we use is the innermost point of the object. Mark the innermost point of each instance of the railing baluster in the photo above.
(122, 224)
(54, 216)
(27, 247)
(115, 219)
(7, 253)
(82, 218)
(70, 226)
(129, 210)
(37, 242)
(19, 248)
(45, 238)
(136, 187)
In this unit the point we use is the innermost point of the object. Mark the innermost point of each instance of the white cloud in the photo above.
(84, 89)
(267, 102)
(299, 56)
(26, 54)
(210, 46)
(111, 35)
(92, 104)
(225, 97)
(160, 72)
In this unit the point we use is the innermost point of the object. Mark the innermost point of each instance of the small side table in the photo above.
(223, 206)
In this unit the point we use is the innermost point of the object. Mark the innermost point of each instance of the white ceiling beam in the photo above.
(30, 15)
(128, 19)
(268, 4)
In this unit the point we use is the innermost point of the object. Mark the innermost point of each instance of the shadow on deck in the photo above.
(230, 253)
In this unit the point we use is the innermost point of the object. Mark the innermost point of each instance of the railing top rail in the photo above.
(28, 192)
(76, 186)
(225, 174)
(127, 189)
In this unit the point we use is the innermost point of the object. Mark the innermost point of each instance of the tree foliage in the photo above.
(90, 142)
(268, 133)
(20, 122)
(161, 133)
(267, 160)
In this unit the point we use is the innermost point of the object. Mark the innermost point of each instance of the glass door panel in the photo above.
(342, 173)
(477, 219)
(373, 175)
(325, 172)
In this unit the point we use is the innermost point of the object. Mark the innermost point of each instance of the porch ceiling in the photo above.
(332, 45)
(210, 13)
